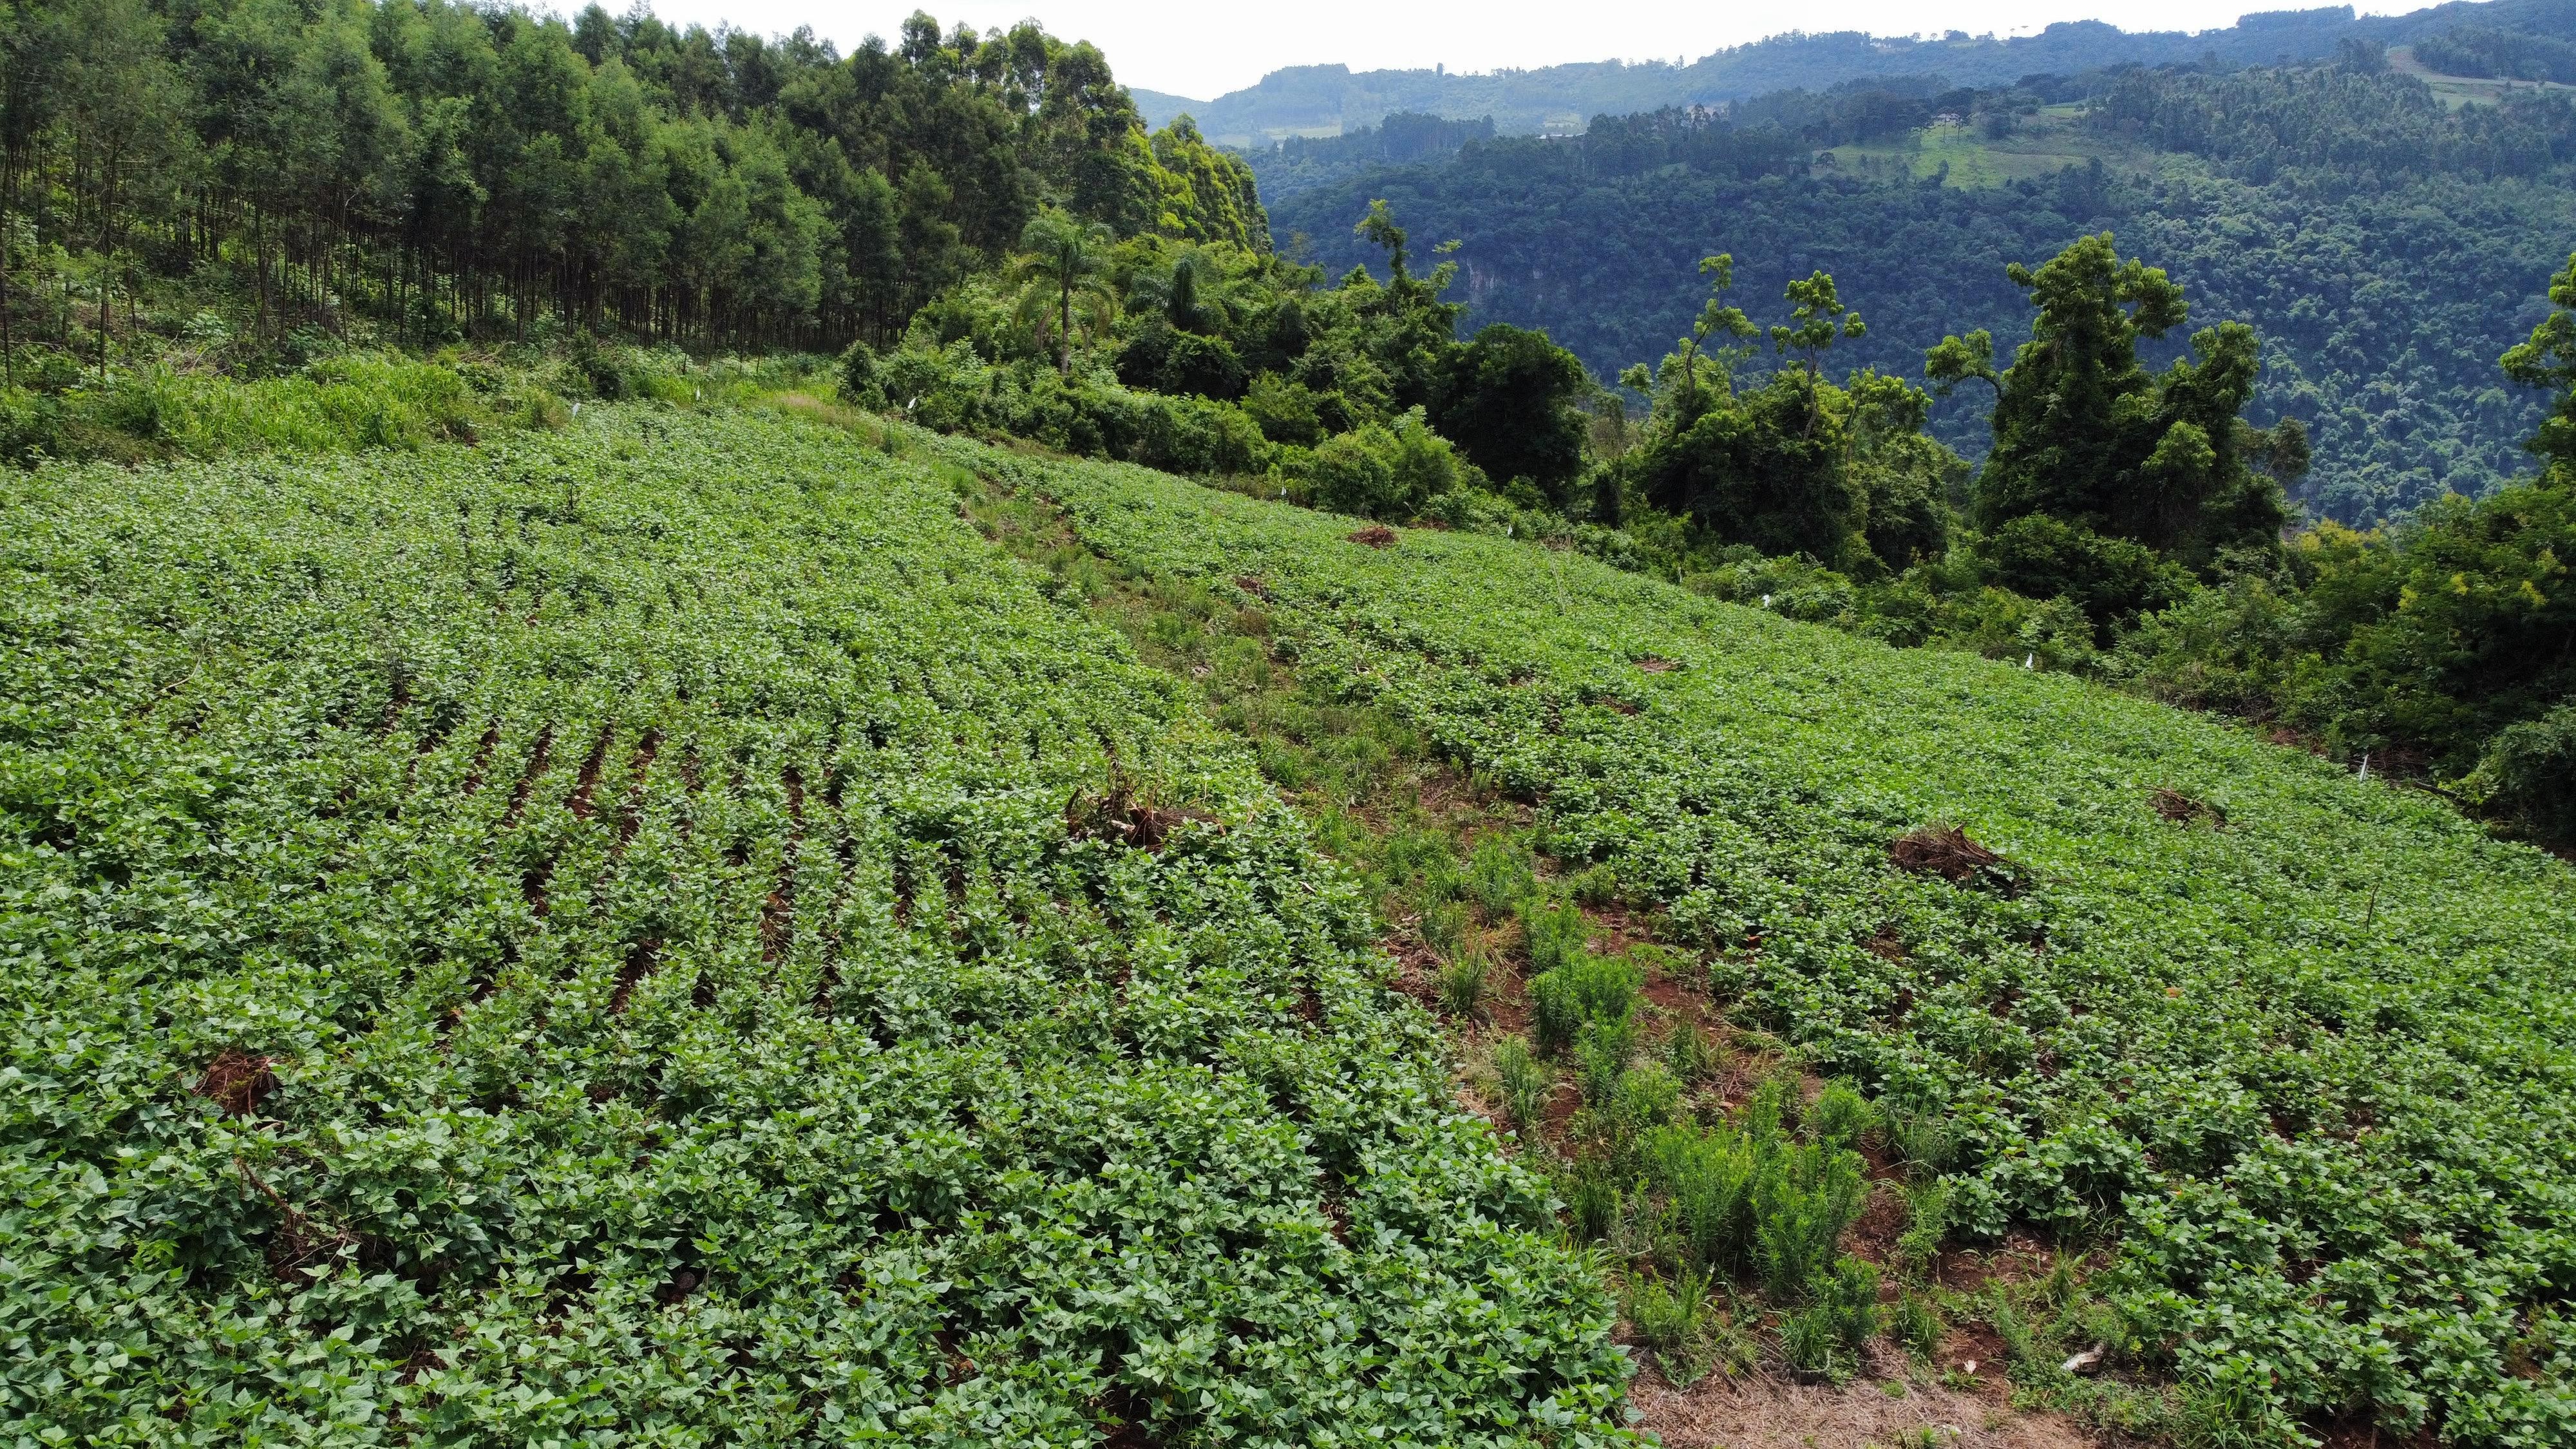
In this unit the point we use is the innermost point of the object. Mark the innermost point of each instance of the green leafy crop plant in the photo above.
(658, 934)
(2314, 1066)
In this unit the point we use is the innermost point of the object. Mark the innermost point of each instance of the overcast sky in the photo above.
(1206, 48)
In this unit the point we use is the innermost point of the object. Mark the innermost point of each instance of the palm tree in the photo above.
(1184, 306)
(1063, 277)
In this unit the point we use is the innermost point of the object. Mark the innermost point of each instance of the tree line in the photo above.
(2382, 283)
(2128, 518)
(1211, 357)
(2344, 127)
(449, 169)
(1011, 251)
(2128, 521)
(2494, 53)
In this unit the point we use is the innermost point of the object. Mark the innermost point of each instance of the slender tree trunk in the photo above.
(106, 260)
(8, 342)
(259, 254)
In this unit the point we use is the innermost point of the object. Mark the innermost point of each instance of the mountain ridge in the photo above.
(1320, 100)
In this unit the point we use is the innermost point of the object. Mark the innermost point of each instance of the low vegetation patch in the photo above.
(2211, 1064)
(659, 928)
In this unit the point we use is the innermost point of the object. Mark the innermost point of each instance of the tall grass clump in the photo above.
(1462, 985)
(1585, 990)
(1754, 1203)
(342, 404)
(1802, 1200)
(1555, 932)
(1524, 1081)
(1499, 875)
(1671, 1320)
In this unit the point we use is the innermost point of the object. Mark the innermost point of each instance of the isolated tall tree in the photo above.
(1094, 148)
(1511, 401)
(1063, 274)
(1194, 301)
(1413, 331)
(1956, 359)
(1209, 194)
(872, 248)
(2085, 435)
(1378, 229)
(1816, 320)
(1772, 465)
(1717, 318)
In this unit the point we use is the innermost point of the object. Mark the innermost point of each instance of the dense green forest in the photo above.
(423, 173)
(2488, 52)
(431, 170)
(1302, 163)
(2385, 247)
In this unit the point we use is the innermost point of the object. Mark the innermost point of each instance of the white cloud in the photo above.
(1207, 48)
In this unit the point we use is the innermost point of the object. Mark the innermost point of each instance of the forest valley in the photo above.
(249, 224)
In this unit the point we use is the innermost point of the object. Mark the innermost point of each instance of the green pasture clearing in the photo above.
(2456, 91)
(2043, 145)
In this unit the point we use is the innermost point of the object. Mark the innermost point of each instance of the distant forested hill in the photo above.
(1326, 99)
(2387, 247)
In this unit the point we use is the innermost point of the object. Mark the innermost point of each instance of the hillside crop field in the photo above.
(2304, 1043)
(658, 934)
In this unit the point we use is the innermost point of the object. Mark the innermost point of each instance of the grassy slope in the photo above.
(2316, 1066)
(2456, 91)
(642, 857)
(2042, 145)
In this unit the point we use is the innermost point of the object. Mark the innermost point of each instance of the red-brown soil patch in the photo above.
(641, 958)
(236, 1081)
(579, 802)
(537, 759)
(2181, 809)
